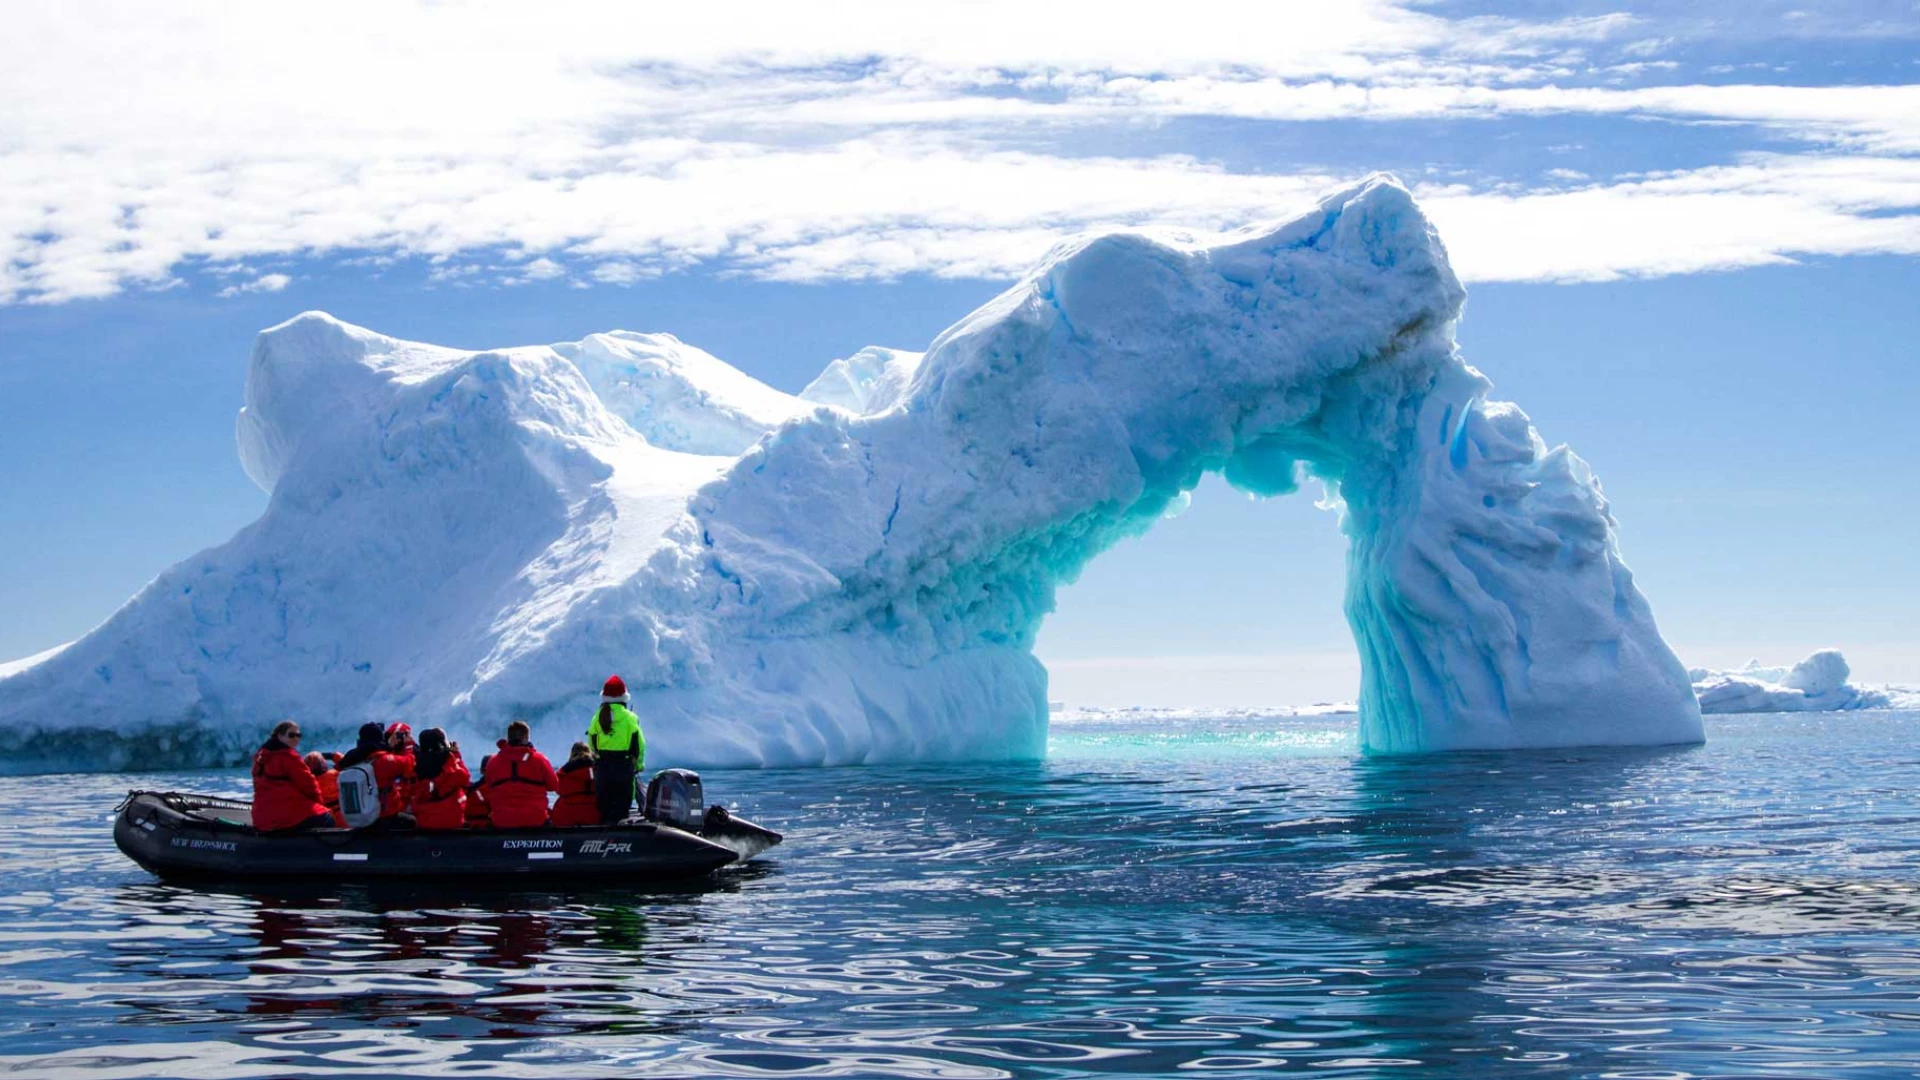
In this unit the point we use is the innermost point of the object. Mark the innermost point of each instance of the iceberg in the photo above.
(1819, 683)
(858, 574)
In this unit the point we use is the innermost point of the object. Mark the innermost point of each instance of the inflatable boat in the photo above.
(176, 836)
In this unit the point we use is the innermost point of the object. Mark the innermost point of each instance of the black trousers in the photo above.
(317, 821)
(613, 787)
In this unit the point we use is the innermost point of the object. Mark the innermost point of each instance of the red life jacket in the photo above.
(576, 805)
(284, 793)
(517, 781)
(441, 802)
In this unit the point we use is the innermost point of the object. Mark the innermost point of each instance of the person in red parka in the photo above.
(479, 814)
(391, 755)
(285, 797)
(439, 794)
(518, 778)
(576, 804)
(393, 771)
(328, 782)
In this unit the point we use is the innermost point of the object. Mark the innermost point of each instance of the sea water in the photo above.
(1225, 896)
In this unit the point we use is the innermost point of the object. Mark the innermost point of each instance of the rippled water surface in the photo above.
(1218, 897)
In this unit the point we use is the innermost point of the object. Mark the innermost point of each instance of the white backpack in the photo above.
(359, 795)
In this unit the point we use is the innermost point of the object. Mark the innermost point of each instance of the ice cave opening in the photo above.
(1230, 600)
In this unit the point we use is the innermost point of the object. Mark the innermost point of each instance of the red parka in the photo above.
(576, 805)
(479, 814)
(393, 775)
(517, 781)
(440, 802)
(284, 794)
(329, 784)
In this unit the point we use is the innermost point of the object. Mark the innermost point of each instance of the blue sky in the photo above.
(1689, 243)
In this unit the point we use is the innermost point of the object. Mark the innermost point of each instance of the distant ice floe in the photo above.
(858, 573)
(1818, 683)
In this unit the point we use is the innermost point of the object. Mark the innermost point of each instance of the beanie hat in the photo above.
(370, 732)
(398, 728)
(615, 690)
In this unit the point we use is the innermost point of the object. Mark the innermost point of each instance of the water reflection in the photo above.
(1422, 824)
(1537, 896)
(504, 964)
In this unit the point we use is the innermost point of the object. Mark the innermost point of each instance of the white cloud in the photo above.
(632, 139)
(618, 273)
(1764, 211)
(448, 272)
(1884, 118)
(263, 283)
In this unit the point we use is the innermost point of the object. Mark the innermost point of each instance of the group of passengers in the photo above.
(427, 785)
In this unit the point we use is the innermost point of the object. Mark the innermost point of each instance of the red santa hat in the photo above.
(615, 690)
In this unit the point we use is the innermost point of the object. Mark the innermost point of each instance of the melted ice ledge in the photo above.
(461, 538)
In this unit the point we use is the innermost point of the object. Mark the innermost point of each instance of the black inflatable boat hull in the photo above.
(194, 836)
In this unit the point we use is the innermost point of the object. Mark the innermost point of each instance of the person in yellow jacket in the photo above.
(619, 751)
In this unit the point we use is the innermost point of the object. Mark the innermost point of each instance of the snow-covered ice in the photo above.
(14, 666)
(1819, 683)
(871, 380)
(459, 538)
(679, 397)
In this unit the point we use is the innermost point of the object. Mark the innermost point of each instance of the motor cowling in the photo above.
(674, 798)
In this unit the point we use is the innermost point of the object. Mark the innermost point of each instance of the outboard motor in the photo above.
(674, 798)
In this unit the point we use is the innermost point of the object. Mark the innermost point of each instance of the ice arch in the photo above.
(459, 538)
(1485, 587)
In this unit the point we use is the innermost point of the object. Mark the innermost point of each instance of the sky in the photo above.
(1688, 233)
